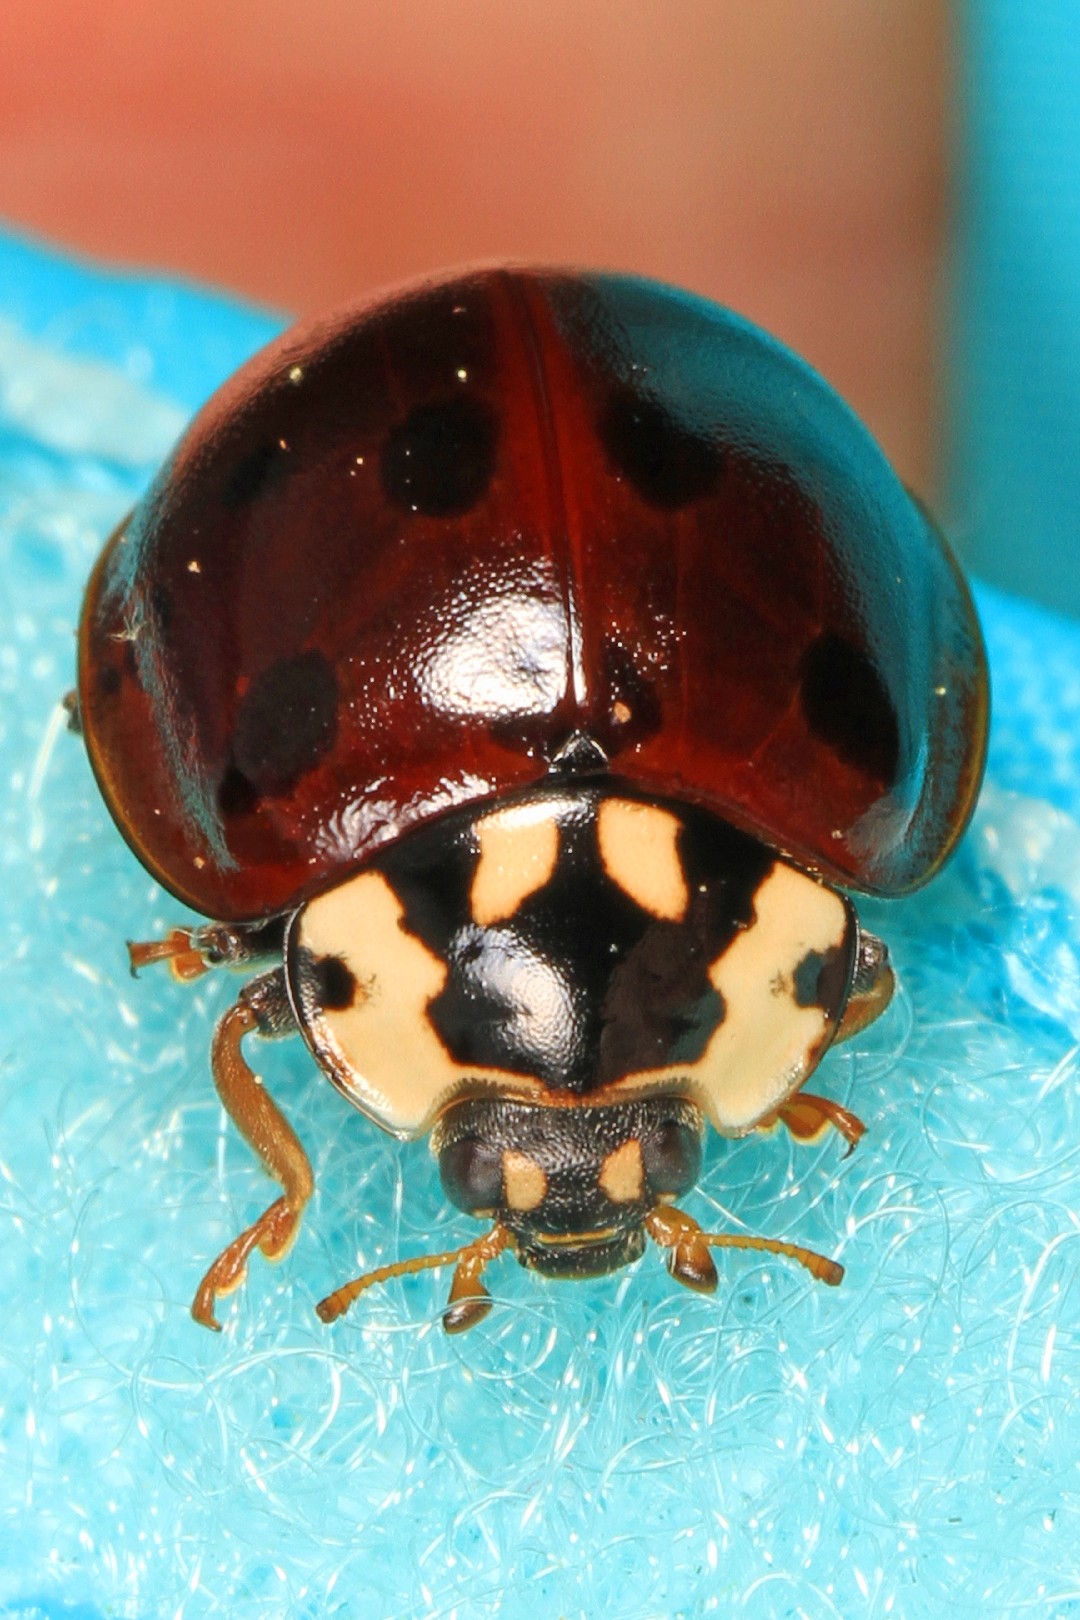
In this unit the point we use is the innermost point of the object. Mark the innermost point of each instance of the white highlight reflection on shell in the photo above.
(507, 656)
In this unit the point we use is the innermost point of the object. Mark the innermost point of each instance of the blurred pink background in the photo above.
(787, 159)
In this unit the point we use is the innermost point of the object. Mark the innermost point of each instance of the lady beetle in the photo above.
(529, 663)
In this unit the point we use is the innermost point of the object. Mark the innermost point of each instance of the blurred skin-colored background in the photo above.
(787, 159)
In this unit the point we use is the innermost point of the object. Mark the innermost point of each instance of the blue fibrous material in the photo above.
(903, 1445)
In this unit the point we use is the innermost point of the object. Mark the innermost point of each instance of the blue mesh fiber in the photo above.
(905, 1445)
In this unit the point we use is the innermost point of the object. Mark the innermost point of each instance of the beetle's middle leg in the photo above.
(263, 1008)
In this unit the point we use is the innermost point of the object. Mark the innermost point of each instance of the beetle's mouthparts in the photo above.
(576, 1240)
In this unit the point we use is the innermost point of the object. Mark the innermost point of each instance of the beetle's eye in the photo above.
(471, 1173)
(672, 1156)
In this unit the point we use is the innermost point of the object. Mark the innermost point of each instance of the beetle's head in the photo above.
(574, 1191)
(572, 1185)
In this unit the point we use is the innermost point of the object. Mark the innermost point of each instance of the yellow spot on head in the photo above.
(524, 1182)
(622, 1174)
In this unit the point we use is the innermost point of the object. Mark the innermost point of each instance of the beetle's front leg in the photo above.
(807, 1116)
(191, 952)
(263, 1008)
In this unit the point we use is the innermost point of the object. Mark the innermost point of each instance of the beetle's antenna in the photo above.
(820, 1267)
(688, 1249)
(469, 1299)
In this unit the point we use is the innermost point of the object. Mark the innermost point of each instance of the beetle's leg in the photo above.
(70, 705)
(263, 1008)
(871, 987)
(191, 952)
(690, 1262)
(807, 1116)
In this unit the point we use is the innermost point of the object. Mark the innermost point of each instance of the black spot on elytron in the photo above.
(822, 977)
(335, 983)
(440, 460)
(109, 680)
(253, 474)
(236, 795)
(848, 708)
(286, 722)
(666, 463)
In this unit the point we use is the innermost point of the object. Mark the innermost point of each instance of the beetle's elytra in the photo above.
(530, 663)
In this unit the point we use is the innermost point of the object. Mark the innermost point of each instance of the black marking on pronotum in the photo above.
(333, 982)
(821, 978)
(578, 1008)
(431, 872)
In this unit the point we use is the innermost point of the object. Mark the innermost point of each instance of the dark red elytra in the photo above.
(405, 554)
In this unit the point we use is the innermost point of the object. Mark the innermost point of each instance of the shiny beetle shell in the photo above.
(404, 555)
